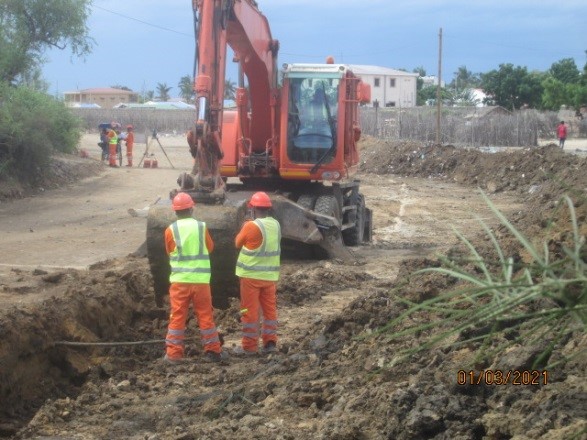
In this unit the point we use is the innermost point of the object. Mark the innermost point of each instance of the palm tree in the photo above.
(163, 92)
(186, 88)
(229, 89)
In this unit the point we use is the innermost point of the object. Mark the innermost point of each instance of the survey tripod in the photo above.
(147, 148)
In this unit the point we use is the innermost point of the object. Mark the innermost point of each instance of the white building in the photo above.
(389, 87)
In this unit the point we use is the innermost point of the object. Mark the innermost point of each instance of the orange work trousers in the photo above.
(129, 154)
(180, 297)
(112, 154)
(255, 293)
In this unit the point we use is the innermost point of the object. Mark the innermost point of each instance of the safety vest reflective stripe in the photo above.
(190, 262)
(257, 268)
(262, 263)
(252, 325)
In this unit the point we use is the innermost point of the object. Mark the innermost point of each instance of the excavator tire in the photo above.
(307, 201)
(327, 205)
(354, 236)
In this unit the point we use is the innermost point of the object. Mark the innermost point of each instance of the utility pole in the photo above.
(438, 94)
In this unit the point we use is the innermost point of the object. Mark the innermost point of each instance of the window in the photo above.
(391, 82)
(376, 82)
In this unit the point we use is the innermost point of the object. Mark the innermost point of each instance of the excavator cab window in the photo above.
(312, 120)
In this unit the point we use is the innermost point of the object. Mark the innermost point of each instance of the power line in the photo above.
(143, 22)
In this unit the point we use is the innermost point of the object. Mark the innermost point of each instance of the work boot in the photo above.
(174, 361)
(216, 357)
(270, 347)
(239, 351)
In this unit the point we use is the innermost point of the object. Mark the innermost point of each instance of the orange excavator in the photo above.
(293, 134)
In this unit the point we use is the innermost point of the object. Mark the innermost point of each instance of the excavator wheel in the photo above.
(354, 236)
(307, 201)
(327, 205)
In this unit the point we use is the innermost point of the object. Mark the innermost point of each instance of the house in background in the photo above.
(389, 87)
(104, 97)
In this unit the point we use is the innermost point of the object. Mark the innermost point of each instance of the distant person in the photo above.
(561, 132)
(188, 244)
(112, 144)
(258, 268)
(103, 144)
(130, 140)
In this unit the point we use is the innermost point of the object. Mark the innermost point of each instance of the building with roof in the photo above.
(160, 105)
(105, 97)
(389, 87)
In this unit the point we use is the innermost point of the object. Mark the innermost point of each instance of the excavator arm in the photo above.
(240, 25)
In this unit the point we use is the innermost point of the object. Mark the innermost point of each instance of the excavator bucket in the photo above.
(224, 221)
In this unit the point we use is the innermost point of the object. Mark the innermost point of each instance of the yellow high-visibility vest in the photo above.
(190, 261)
(264, 262)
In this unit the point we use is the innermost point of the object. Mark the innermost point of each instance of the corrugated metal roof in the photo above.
(378, 70)
(101, 91)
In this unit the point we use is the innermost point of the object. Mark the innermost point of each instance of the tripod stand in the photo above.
(154, 136)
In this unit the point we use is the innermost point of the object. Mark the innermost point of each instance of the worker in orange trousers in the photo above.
(188, 244)
(130, 141)
(258, 268)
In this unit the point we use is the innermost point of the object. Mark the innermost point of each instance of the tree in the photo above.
(186, 88)
(555, 94)
(513, 87)
(229, 89)
(163, 92)
(464, 79)
(30, 27)
(565, 71)
(119, 87)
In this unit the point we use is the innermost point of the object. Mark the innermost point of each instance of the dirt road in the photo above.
(67, 276)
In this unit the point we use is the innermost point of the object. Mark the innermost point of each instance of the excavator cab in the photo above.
(312, 124)
(319, 110)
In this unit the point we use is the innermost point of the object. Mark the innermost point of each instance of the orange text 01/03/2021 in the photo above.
(502, 377)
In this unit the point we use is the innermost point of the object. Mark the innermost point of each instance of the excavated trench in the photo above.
(89, 324)
(112, 301)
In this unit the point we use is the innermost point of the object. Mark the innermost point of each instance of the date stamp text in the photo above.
(502, 377)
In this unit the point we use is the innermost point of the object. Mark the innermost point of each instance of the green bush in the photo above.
(33, 126)
(543, 301)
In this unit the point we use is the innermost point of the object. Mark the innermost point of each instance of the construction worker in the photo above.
(258, 268)
(188, 244)
(130, 140)
(112, 144)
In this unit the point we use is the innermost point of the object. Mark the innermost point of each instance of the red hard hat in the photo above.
(182, 201)
(130, 127)
(260, 200)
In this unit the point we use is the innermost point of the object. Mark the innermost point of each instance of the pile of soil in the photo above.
(336, 375)
(64, 169)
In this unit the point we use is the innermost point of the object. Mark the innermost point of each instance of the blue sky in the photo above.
(140, 43)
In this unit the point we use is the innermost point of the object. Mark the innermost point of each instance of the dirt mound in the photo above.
(490, 170)
(64, 169)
